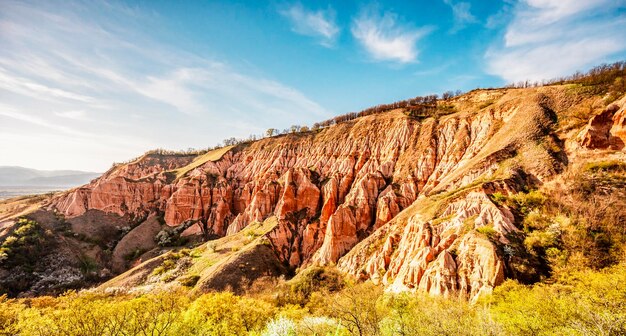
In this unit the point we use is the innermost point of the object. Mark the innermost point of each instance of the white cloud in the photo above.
(462, 14)
(27, 87)
(385, 39)
(74, 115)
(172, 89)
(76, 134)
(9, 112)
(194, 90)
(549, 11)
(320, 24)
(552, 38)
(551, 60)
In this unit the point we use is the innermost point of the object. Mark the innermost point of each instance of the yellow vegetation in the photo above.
(213, 155)
(581, 303)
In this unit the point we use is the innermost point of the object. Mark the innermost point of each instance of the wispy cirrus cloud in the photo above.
(9, 112)
(28, 87)
(385, 38)
(93, 68)
(462, 14)
(73, 114)
(551, 38)
(320, 24)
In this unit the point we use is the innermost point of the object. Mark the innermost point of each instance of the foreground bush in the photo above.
(411, 314)
(226, 314)
(579, 303)
(93, 314)
(583, 303)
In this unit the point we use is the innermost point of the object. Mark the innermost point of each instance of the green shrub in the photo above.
(526, 202)
(10, 241)
(498, 197)
(414, 314)
(226, 314)
(583, 303)
(26, 229)
(136, 253)
(313, 279)
(488, 231)
(88, 265)
(539, 241)
(536, 220)
(171, 236)
(189, 280)
(170, 261)
(25, 245)
(605, 166)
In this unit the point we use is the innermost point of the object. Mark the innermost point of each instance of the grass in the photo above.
(486, 104)
(170, 261)
(445, 109)
(136, 253)
(213, 155)
(25, 245)
(607, 166)
(87, 265)
(488, 231)
(220, 250)
(189, 280)
(440, 220)
(451, 195)
(22, 205)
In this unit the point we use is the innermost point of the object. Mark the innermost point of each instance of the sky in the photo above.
(84, 84)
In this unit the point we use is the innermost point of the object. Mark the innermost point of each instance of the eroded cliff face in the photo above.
(442, 256)
(136, 188)
(606, 129)
(399, 200)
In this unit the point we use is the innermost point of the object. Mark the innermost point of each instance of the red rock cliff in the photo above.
(339, 193)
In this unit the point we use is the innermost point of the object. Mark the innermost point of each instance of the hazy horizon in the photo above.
(83, 85)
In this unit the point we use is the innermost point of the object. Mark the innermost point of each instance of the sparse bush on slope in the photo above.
(24, 245)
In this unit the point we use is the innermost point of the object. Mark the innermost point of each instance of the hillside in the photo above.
(449, 203)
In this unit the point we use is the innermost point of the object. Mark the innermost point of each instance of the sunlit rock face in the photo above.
(607, 129)
(387, 197)
(445, 256)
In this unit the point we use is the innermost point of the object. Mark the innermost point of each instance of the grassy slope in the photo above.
(213, 155)
(22, 205)
(217, 251)
(208, 261)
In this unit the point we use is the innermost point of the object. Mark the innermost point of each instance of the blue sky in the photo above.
(84, 84)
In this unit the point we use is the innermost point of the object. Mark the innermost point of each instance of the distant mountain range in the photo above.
(11, 176)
